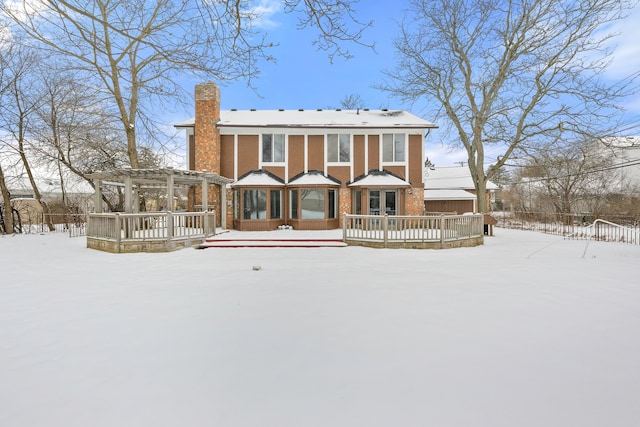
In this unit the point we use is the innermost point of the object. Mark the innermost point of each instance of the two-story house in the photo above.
(305, 168)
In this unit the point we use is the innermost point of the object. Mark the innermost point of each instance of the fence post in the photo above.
(344, 227)
(169, 229)
(441, 231)
(118, 233)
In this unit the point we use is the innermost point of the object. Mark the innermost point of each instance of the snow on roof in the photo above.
(379, 179)
(318, 119)
(448, 195)
(622, 141)
(313, 178)
(451, 178)
(258, 178)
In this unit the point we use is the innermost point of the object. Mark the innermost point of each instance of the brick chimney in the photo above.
(207, 136)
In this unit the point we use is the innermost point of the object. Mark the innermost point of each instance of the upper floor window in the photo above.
(272, 147)
(393, 147)
(338, 147)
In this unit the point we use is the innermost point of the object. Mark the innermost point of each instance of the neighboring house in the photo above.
(76, 191)
(451, 190)
(624, 155)
(305, 168)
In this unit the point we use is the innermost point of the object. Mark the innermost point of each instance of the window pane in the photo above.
(345, 147)
(374, 202)
(387, 147)
(357, 202)
(254, 203)
(312, 204)
(267, 147)
(398, 152)
(293, 203)
(278, 147)
(333, 205)
(332, 148)
(390, 202)
(276, 204)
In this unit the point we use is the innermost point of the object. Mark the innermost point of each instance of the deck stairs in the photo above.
(275, 239)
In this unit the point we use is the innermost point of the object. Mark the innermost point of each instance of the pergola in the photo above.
(134, 180)
(134, 231)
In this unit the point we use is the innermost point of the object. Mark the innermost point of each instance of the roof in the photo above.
(258, 178)
(313, 178)
(377, 178)
(451, 178)
(622, 141)
(448, 195)
(160, 176)
(364, 118)
(47, 178)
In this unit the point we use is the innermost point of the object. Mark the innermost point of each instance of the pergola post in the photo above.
(205, 195)
(128, 190)
(223, 206)
(136, 199)
(98, 196)
(170, 183)
(205, 205)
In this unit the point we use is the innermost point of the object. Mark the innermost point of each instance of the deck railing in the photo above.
(403, 231)
(167, 228)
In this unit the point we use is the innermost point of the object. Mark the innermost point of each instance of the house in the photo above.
(305, 168)
(451, 189)
(623, 153)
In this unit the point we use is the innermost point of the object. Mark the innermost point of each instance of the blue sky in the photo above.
(303, 77)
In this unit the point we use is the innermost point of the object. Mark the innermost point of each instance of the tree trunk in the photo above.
(34, 186)
(6, 197)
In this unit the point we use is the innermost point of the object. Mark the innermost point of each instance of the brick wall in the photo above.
(415, 201)
(207, 140)
(207, 136)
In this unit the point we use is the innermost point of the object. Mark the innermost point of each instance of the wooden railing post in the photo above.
(118, 232)
(441, 231)
(385, 229)
(169, 228)
(344, 227)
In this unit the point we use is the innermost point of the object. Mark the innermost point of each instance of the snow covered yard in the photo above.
(522, 331)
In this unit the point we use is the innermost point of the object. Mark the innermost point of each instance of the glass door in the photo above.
(374, 202)
(390, 202)
(382, 202)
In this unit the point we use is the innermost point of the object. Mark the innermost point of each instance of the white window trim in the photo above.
(326, 149)
(261, 162)
(404, 162)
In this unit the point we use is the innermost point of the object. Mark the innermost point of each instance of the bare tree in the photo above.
(352, 101)
(134, 50)
(20, 101)
(509, 75)
(7, 218)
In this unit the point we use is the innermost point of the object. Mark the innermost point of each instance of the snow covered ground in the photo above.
(523, 331)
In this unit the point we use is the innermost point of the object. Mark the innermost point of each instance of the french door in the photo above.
(382, 202)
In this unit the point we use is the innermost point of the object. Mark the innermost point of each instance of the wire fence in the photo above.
(73, 224)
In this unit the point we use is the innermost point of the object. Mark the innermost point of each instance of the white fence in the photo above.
(573, 226)
(607, 231)
(407, 231)
(164, 227)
